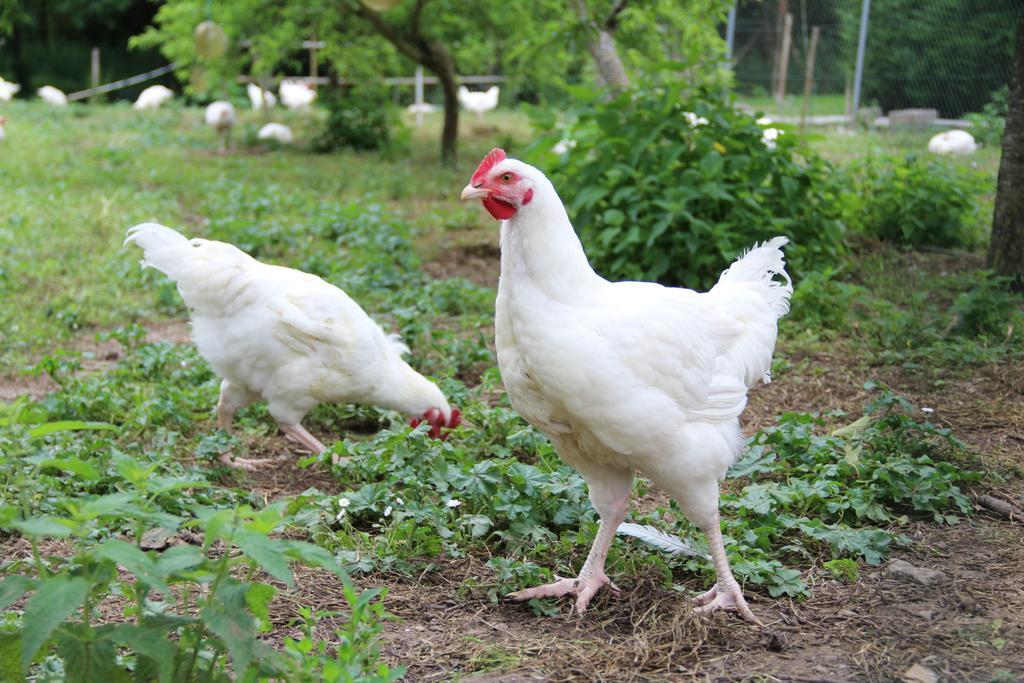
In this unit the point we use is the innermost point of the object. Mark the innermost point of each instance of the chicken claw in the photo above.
(584, 588)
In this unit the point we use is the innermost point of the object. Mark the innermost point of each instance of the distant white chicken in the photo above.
(8, 90)
(153, 97)
(296, 94)
(421, 108)
(953, 142)
(626, 376)
(3, 134)
(286, 337)
(52, 96)
(260, 98)
(276, 131)
(478, 102)
(220, 116)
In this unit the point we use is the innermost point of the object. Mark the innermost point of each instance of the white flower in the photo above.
(340, 516)
(563, 146)
(387, 511)
(399, 501)
(769, 137)
(763, 121)
(454, 503)
(344, 502)
(693, 120)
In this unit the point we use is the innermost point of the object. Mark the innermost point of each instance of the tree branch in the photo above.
(405, 46)
(417, 12)
(612, 22)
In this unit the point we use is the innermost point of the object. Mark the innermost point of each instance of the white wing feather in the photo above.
(659, 539)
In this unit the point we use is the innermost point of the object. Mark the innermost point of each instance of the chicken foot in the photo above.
(591, 577)
(726, 593)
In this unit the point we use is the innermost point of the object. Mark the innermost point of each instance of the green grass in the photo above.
(132, 445)
(820, 105)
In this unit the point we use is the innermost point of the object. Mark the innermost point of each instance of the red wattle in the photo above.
(499, 209)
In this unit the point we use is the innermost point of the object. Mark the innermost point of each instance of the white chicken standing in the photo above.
(953, 142)
(479, 102)
(53, 96)
(626, 376)
(296, 94)
(220, 116)
(8, 90)
(277, 132)
(287, 337)
(153, 97)
(260, 98)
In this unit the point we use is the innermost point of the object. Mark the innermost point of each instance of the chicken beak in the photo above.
(470, 192)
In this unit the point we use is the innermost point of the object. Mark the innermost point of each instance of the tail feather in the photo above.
(165, 249)
(761, 264)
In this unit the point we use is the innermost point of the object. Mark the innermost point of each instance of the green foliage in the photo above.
(987, 125)
(944, 54)
(823, 301)
(989, 309)
(914, 200)
(654, 197)
(361, 118)
(843, 569)
(194, 612)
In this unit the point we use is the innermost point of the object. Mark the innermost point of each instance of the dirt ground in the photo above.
(969, 626)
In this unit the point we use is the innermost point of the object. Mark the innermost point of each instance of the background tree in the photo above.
(1006, 249)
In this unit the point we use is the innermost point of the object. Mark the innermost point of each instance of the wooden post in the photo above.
(787, 40)
(94, 72)
(812, 52)
(313, 62)
(418, 88)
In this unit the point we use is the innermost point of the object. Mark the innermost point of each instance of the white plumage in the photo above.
(287, 337)
(296, 94)
(8, 90)
(220, 116)
(953, 142)
(627, 376)
(52, 96)
(276, 131)
(479, 102)
(153, 97)
(260, 98)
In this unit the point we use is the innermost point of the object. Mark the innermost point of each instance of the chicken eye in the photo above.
(507, 178)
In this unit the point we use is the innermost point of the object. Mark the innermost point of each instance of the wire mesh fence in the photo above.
(950, 56)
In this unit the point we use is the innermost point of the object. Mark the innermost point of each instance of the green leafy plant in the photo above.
(362, 118)
(914, 200)
(989, 309)
(987, 126)
(672, 186)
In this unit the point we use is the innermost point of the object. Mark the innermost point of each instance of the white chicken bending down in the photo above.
(220, 116)
(953, 142)
(626, 376)
(287, 337)
(153, 97)
(276, 131)
(296, 94)
(260, 98)
(478, 102)
(8, 90)
(52, 96)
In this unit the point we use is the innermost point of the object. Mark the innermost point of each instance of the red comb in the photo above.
(494, 156)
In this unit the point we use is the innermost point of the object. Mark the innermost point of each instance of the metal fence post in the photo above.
(730, 33)
(862, 40)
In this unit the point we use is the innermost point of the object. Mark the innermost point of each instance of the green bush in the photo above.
(988, 310)
(361, 118)
(913, 200)
(987, 126)
(654, 197)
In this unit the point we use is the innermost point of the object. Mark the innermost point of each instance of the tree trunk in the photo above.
(610, 69)
(1006, 248)
(441, 63)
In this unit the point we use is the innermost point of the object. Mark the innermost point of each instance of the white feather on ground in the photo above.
(659, 539)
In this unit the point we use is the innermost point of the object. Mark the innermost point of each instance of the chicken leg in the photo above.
(726, 593)
(233, 399)
(609, 493)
